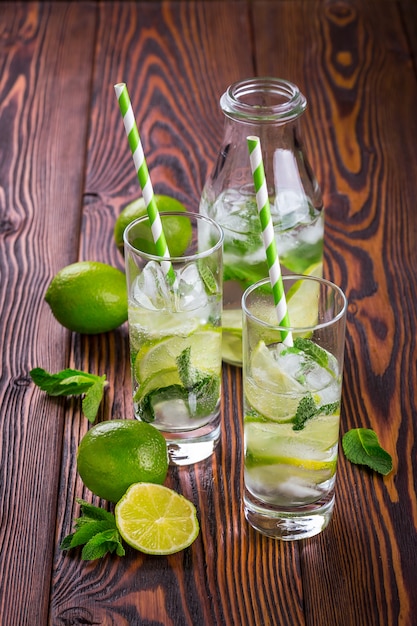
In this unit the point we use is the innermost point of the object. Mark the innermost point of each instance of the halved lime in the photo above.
(156, 520)
(161, 355)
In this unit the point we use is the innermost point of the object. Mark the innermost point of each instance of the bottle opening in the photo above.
(263, 99)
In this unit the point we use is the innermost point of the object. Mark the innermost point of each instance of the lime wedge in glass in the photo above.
(162, 354)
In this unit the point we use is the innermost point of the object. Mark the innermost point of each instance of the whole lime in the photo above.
(88, 297)
(116, 454)
(177, 230)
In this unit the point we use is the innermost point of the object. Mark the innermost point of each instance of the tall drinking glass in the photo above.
(292, 397)
(175, 332)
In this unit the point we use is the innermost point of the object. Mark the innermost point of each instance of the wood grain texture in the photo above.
(65, 174)
(359, 77)
(43, 125)
(175, 71)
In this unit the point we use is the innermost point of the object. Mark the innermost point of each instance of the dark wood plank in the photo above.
(45, 60)
(408, 12)
(356, 70)
(176, 61)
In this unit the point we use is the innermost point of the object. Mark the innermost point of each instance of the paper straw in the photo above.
(144, 178)
(268, 236)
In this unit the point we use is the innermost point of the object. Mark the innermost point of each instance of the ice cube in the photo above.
(151, 289)
(189, 288)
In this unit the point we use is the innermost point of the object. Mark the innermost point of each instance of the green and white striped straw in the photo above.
(144, 178)
(268, 236)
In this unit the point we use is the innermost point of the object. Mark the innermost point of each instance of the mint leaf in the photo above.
(199, 391)
(92, 400)
(361, 446)
(86, 531)
(187, 373)
(67, 382)
(207, 277)
(306, 409)
(319, 355)
(94, 513)
(96, 530)
(101, 543)
(71, 382)
(204, 395)
(203, 388)
(160, 394)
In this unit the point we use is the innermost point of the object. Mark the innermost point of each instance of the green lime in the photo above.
(177, 229)
(156, 520)
(116, 454)
(162, 354)
(88, 297)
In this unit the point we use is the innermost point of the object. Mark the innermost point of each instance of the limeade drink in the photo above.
(299, 230)
(175, 347)
(269, 108)
(292, 385)
(291, 423)
(175, 333)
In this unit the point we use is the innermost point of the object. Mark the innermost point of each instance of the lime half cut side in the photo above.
(156, 520)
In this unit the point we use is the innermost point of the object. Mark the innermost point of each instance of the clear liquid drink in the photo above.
(292, 399)
(291, 425)
(175, 338)
(270, 109)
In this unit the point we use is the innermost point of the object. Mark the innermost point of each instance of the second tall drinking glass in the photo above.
(175, 332)
(292, 397)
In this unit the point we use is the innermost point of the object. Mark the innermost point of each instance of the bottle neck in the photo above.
(263, 101)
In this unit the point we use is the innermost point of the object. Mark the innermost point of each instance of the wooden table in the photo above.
(65, 174)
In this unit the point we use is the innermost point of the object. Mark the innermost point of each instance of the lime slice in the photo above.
(302, 299)
(161, 355)
(269, 389)
(232, 336)
(156, 520)
(315, 270)
(317, 442)
(159, 380)
(313, 465)
(232, 348)
(266, 372)
(232, 321)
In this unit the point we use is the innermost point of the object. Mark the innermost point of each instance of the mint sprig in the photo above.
(72, 382)
(361, 446)
(198, 390)
(315, 352)
(96, 530)
(307, 409)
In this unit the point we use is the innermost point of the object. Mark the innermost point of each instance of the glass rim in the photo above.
(175, 259)
(292, 106)
(296, 329)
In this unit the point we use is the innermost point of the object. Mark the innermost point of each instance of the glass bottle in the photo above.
(269, 108)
